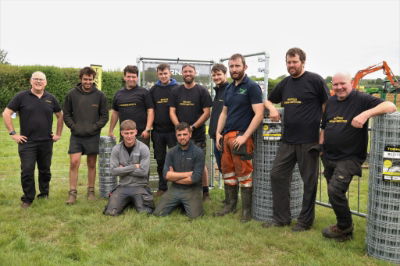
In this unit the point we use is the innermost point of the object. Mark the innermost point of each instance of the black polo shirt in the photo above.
(302, 99)
(188, 160)
(36, 114)
(217, 106)
(342, 140)
(189, 104)
(133, 104)
(238, 99)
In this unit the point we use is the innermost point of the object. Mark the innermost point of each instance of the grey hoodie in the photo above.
(128, 173)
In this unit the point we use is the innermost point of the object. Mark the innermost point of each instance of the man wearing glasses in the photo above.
(35, 140)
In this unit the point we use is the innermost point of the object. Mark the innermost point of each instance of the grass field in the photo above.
(52, 233)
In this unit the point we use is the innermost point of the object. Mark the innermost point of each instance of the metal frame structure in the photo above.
(141, 61)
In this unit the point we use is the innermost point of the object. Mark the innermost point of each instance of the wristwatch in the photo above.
(12, 133)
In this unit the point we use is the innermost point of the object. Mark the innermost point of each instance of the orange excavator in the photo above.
(386, 70)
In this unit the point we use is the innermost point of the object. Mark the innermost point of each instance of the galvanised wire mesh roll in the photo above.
(106, 181)
(383, 222)
(264, 154)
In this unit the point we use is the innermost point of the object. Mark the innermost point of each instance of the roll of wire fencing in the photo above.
(267, 140)
(383, 220)
(106, 181)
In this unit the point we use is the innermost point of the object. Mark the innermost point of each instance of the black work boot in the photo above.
(246, 193)
(334, 232)
(231, 198)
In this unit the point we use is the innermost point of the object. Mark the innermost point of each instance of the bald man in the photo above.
(35, 140)
(344, 137)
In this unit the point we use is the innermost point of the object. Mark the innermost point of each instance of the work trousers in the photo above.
(162, 140)
(217, 154)
(121, 197)
(235, 169)
(191, 198)
(30, 153)
(338, 175)
(306, 155)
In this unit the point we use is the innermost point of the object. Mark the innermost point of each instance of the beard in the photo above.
(295, 71)
(237, 75)
(188, 80)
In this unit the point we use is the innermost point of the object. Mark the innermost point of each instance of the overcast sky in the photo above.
(336, 35)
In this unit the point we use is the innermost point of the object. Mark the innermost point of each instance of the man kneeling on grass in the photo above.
(130, 160)
(184, 165)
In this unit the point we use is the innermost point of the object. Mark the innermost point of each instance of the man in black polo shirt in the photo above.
(134, 103)
(191, 103)
(35, 142)
(184, 166)
(344, 136)
(163, 134)
(218, 74)
(85, 113)
(303, 95)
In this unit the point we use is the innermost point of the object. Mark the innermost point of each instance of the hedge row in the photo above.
(59, 81)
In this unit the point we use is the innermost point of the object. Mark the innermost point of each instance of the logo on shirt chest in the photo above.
(292, 101)
(127, 104)
(338, 119)
(186, 103)
(242, 91)
(162, 100)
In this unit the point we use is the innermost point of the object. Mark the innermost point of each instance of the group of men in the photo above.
(174, 116)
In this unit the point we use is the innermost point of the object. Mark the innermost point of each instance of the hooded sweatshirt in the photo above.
(85, 113)
(160, 95)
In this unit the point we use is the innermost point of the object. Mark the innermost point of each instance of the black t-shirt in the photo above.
(160, 96)
(133, 104)
(189, 104)
(36, 114)
(302, 99)
(217, 106)
(342, 140)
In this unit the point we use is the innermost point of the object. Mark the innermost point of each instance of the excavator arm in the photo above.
(386, 70)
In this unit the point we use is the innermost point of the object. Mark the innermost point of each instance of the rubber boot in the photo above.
(90, 193)
(231, 194)
(72, 194)
(246, 193)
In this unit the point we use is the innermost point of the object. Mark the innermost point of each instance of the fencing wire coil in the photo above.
(106, 181)
(383, 221)
(264, 155)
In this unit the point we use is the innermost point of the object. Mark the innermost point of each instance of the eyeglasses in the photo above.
(38, 79)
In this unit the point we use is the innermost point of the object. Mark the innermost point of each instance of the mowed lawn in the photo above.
(52, 233)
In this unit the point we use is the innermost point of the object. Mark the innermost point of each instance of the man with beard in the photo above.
(85, 113)
(344, 136)
(191, 103)
(163, 134)
(130, 160)
(184, 166)
(134, 103)
(243, 111)
(303, 95)
(35, 141)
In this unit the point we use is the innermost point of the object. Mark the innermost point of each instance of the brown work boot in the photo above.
(26, 205)
(231, 198)
(334, 232)
(90, 193)
(247, 197)
(72, 194)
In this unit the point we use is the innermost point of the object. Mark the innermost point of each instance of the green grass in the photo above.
(52, 233)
